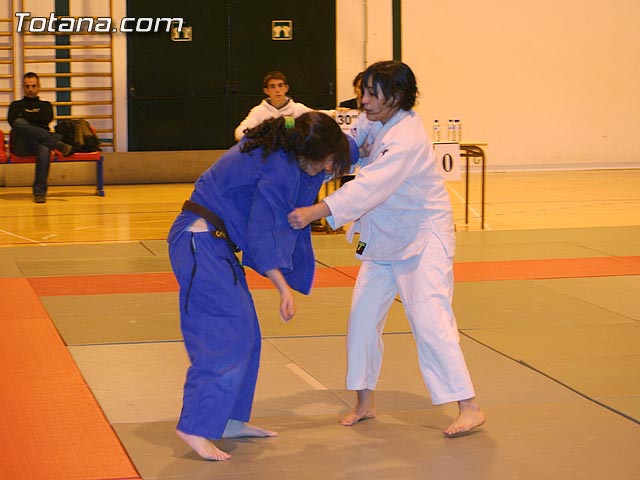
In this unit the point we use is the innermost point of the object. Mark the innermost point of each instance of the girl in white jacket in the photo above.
(399, 205)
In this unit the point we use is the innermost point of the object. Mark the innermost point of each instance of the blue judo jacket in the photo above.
(253, 196)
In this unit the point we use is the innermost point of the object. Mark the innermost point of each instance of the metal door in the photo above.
(190, 95)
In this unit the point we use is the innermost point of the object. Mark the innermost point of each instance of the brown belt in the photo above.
(213, 219)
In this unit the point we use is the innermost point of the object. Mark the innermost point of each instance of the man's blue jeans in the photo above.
(41, 142)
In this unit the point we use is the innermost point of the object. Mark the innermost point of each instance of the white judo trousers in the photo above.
(425, 285)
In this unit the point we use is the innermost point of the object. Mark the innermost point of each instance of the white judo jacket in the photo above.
(398, 199)
(264, 110)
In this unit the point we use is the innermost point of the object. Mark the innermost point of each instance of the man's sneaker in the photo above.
(64, 148)
(40, 199)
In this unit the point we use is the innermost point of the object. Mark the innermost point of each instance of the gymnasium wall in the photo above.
(547, 84)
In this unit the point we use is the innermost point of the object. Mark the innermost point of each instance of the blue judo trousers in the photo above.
(221, 332)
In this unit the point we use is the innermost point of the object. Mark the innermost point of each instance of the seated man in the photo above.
(29, 119)
(277, 103)
(355, 103)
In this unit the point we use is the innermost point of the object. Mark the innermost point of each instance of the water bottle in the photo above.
(450, 131)
(457, 129)
(436, 130)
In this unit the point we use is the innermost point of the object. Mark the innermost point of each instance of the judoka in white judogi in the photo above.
(399, 205)
(403, 214)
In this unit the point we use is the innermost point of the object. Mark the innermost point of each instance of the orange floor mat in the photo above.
(546, 269)
(50, 424)
(156, 283)
(536, 269)
(344, 276)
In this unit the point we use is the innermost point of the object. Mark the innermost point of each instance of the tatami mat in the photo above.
(88, 266)
(104, 284)
(584, 236)
(599, 361)
(152, 317)
(157, 282)
(616, 294)
(628, 405)
(157, 247)
(122, 318)
(139, 382)
(491, 305)
(337, 257)
(615, 246)
(298, 376)
(324, 312)
(69, 251)
(13, 258)
(539, 244)
(552, 359)
(569, 342)
(116, 373)
(497, 379)
(51, 425)
(605, 377)
(547, 268)
(407, 445)
(498, 251)
(405, 441)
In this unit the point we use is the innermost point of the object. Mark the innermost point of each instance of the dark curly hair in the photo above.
(313, 137)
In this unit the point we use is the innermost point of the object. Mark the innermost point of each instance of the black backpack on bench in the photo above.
(79, 134)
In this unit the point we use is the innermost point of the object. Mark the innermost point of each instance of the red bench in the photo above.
(6, 157)
(3, 151)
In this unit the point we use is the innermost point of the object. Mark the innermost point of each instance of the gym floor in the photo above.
(546, 302)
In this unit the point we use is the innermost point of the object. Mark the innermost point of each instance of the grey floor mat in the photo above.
(116, 318)
(93, 266)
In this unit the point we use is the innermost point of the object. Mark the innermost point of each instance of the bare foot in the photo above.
(364, 409)
(203, 447)
(471, 416)
(235, 429)
(356, 416)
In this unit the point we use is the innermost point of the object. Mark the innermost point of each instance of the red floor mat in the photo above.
(345, 276)
(546, 269)
(50, 424)
(155, 283)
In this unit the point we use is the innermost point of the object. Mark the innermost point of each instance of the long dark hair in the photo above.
(396, 80)
(312, 136)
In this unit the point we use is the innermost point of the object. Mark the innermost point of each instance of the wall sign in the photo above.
(180, 33)
(282, 30)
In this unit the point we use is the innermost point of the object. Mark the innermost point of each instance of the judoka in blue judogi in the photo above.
(241, 203)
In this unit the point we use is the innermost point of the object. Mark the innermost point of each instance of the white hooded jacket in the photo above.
(264, 110)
